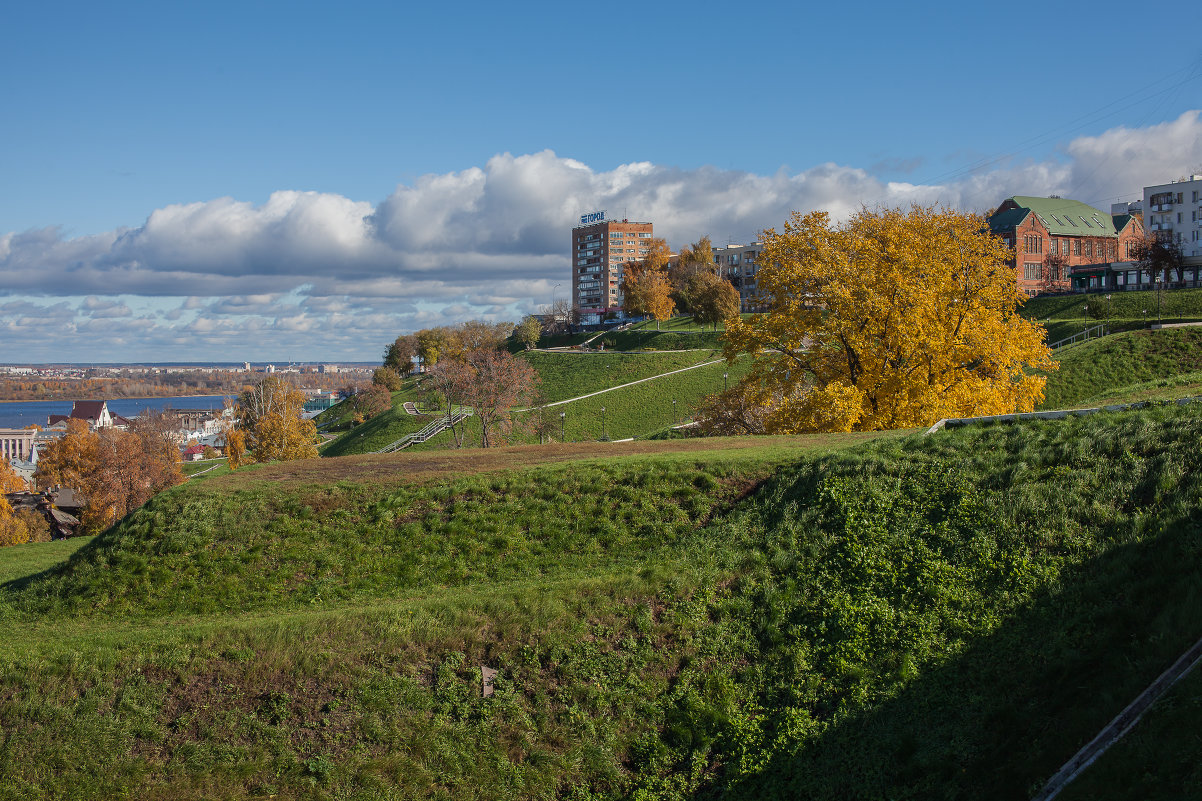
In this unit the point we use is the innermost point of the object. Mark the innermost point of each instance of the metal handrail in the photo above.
(1083, 336)
(437, 427)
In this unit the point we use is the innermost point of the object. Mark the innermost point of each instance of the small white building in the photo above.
(1173, 211)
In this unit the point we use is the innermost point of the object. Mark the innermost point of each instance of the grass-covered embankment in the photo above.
(635, 410)
(630, 411)
(1066, 315)
(1135, 365)
(949, 616)
(376, 433)
(569, 375)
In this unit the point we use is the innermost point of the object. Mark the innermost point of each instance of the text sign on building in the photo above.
(594, 217)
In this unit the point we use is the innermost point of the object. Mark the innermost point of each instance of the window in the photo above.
(1082, 219)
(1077, 247)
(1089, 250)
(1031, 271)
(644, 234)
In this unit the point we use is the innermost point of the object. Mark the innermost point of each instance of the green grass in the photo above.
(911, 618)
(376, 433)
(632, 411)
(1157, 760)
(569, 375)
(20, 561)
(562, 376)
(192, 468)
(1065, 315)
(1107, 369)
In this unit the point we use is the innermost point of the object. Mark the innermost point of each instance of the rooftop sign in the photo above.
(594, 217)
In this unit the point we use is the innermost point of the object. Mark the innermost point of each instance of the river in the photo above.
(18, 414)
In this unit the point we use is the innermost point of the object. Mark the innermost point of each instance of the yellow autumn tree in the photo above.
(896, 318)
(13, 530)
(271, 426)
(646, 286)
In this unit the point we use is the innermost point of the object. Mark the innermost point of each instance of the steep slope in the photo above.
(948, 616)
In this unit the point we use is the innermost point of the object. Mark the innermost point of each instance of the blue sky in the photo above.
(303, 168)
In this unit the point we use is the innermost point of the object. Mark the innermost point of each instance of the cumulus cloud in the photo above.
(310, 270)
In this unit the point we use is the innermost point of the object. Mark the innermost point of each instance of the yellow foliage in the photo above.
(9, 480)
(271, 426)
(894, 319)
(235, 448)
(13, 530)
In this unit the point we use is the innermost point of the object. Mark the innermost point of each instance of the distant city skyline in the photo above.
(241, 181)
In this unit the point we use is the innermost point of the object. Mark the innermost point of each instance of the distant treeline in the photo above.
(197, 382)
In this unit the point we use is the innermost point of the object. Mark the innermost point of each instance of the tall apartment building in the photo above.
(737, 264)
(1173, 211)
(600, 250)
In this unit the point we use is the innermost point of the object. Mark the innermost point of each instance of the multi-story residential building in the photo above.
(1077, 234)
(600, 250)
(737, 264)
(1173, 212)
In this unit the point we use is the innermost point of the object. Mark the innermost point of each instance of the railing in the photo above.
(437, 427)
(1098, 330)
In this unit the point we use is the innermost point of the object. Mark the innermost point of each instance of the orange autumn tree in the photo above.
(115, 471)
(893, 319)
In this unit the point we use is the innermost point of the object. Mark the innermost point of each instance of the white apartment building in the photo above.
(1173, 211)
(737, 264)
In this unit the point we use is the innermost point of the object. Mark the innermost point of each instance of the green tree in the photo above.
(387, 378)
(400, 353)
(528, 331)
(714, 299)
(430, 345)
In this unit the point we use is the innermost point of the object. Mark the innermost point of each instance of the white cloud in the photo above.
(489, 240)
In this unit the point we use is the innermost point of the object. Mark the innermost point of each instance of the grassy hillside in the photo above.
(1065, 315)
(568, 375)
(563, 376)
(19, 561)
(632, 411)
(949, 616)
(374, 434)
(1126, 366)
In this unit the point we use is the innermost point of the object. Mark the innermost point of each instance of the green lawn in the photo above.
(19, 561)
(376, 433)
(1125, 365)
(910, 618)
(629, 411)
(563, 376)
(569, 375)
(1065, 315)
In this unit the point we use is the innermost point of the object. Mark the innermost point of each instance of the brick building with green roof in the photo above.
(1055, 239)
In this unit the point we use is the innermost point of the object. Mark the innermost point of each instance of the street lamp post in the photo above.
(1086, 331)
(1109, 309)
(674, 411)
(604, 433)
(724, 381)
(562, 436)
